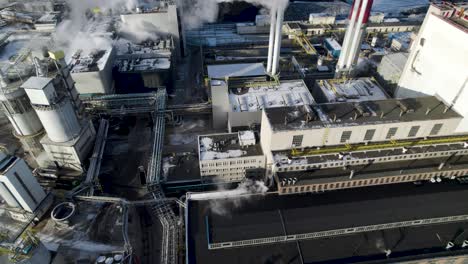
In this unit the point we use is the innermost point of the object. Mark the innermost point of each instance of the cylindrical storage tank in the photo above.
(101, 260)
(60, 121)
(118, 258)
(18, 109)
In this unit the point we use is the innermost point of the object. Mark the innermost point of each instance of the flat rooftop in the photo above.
(262, 216)
(158, 48)
(91, 62)
(49, 18)
(375, 170)
(350, 90)
(253, 98)
(221, 71)
(226, 146)
(143, 65)
(359, 113)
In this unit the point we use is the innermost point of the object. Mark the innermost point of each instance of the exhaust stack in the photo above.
(274, 48)
(271, 45)
(358, 19)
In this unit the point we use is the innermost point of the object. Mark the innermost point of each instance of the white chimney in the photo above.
(349, 33)
(357, 37)
(278, 37)
(271, 43)
(354, 35)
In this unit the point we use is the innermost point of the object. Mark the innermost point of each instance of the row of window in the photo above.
(227, 170)
(369, 182)
(380, 29)
(366, 161)
(397, 29)
(370, 133)
(230, 163)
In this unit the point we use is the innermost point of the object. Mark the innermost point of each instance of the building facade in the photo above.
(437, 63)
(230, 157)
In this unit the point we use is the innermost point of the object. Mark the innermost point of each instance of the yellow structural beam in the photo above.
(378, 145)
(306, 45)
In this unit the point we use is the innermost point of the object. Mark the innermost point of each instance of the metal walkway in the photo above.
(335, 232)
(161, 209)
(123, 104)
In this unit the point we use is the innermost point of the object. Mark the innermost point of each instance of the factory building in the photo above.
(55, 100)
(239, 102)
(312, 126)
(437, 63)
(164, 17)
(149, 64)
(347, 145)
(230, 157)
(18, 187)
(47, 22)
(93, 72)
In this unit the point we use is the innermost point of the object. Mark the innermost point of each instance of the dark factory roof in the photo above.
(261, 216)
(375, 170)
(360, 113)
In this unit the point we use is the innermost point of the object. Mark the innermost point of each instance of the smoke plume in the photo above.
(223, 201)
(199, 12)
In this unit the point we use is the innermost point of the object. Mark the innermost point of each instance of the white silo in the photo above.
(18, 109)
(69, 139)
(54, 109)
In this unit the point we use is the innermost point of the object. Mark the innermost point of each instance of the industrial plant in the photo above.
(198, 132)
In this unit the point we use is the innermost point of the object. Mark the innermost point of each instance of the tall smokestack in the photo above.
(278, 37)
(354, 35)
(361, 25)
(271, 43)
(349, 33)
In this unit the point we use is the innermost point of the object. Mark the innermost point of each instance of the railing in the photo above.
(123, 103)
(336, 232)
(379, 145)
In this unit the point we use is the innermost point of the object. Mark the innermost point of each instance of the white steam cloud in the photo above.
(223, 201)
(199, 12)
(72, 34)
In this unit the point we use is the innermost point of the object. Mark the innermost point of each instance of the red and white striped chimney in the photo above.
(358, 18)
